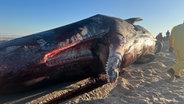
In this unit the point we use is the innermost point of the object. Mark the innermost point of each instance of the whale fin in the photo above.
(133, 20)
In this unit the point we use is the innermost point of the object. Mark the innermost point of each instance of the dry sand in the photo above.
(139, 84)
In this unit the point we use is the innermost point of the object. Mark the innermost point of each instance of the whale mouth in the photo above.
(55, 61)
(78, 54)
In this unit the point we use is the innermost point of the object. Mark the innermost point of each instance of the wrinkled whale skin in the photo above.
(98, 44)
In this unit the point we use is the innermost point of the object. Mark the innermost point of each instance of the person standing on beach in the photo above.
(159, 37)
(167, 35)
(176, 44)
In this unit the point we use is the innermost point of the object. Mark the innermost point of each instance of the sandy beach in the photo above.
(139, 84)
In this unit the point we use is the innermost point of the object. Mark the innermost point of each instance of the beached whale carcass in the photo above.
(98, 44)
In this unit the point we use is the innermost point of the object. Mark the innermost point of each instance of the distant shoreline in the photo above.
(5, 39)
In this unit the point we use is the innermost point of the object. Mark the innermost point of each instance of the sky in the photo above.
(24, 17)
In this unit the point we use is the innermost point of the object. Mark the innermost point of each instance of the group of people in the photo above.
(176, 40)
(161, 38)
